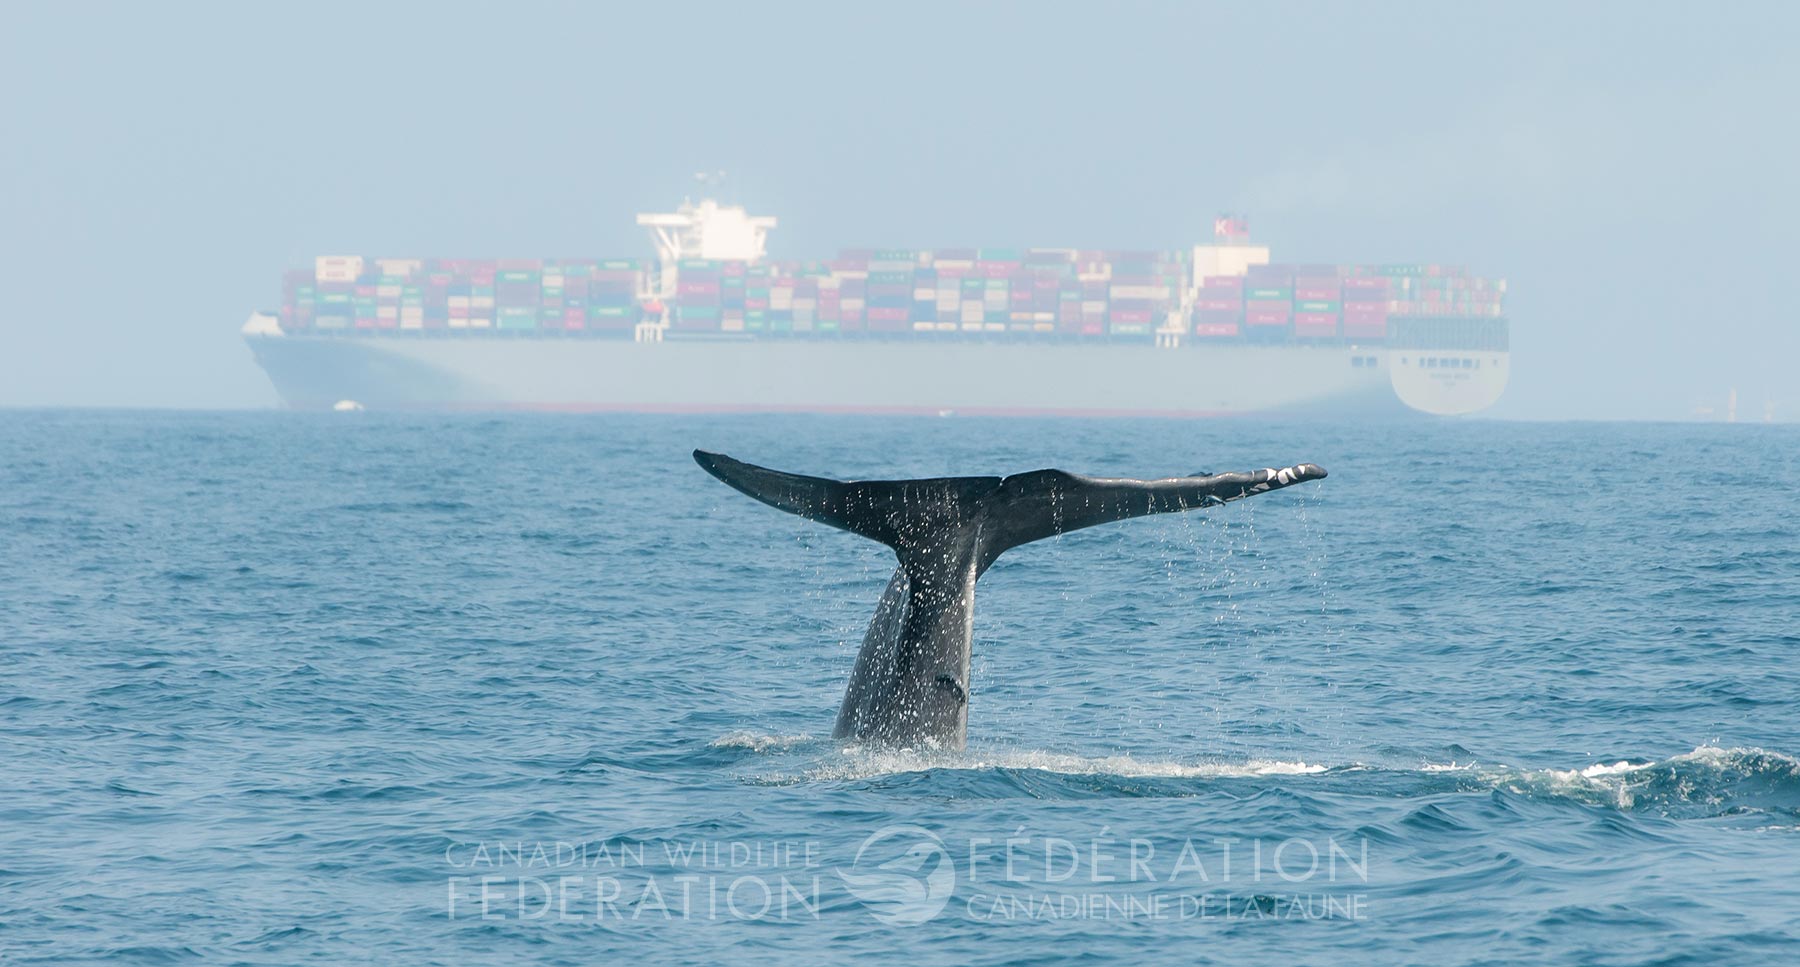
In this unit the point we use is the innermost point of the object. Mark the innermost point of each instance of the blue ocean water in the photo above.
(289, 688)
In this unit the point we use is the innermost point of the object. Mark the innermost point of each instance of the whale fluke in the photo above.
(910, 683)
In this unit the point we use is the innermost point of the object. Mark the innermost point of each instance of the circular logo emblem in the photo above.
(902, 874)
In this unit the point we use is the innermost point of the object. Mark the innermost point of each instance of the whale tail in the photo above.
(914, 515)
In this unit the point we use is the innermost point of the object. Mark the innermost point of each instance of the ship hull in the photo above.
(423, 372)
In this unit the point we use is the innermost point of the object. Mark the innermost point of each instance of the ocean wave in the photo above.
(1708, 781)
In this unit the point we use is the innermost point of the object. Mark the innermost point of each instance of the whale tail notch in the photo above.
(1014, 510)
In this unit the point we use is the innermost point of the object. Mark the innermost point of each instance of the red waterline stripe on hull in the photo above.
(703, 408)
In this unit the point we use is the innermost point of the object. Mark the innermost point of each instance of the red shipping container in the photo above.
(1315, 294)
(1219, 305)
(1315, 323)
(1223, 282)
(1131, 315)
(1215, 329)
(1266, 318)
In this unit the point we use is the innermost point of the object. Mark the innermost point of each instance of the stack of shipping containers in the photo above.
(888, 292)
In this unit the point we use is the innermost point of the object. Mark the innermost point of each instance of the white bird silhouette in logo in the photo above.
(900, 891)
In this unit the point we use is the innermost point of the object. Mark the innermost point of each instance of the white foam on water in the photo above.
(858, 762)
(1691, 777)
(759, 741)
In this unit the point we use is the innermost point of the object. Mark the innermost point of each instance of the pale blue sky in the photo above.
(1631, 168)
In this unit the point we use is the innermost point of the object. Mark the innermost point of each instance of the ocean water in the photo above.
(362, 688)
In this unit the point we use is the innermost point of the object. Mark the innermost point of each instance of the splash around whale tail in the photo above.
(1002, 512)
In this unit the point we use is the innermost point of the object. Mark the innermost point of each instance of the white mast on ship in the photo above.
(703, 230)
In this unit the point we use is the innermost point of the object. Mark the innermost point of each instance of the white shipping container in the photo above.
(995, 299)
(946, 327)
(387, 312)
(924, 327)
(459, 302)
(891, 265)
(806, 304)
(970, 326)
(829, 282)
(955, 263)
(994, 326)
(924, 295)
(481, 302)
(948, 301)
(337, 268)
(412, 323)
(731, 325)
(387, 292)
(781, 298)
(1140, 292)
(481, 322)
(457, 322)
(1093, 305)
(972, 311)
(403, 268)
(850, 303)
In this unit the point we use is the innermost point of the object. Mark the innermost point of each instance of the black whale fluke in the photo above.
(910, 684)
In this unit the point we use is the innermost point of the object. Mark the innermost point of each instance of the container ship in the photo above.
(710, 323)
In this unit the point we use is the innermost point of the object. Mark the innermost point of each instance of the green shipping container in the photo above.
(517, 276)
(1269, 294)
(1317, 306)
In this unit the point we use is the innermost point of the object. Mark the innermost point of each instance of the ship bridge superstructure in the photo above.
(695, 230)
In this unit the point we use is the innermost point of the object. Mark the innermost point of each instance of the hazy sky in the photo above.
(1631, 168)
